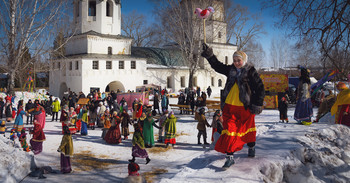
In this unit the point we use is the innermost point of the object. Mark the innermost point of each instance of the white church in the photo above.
(98, 57)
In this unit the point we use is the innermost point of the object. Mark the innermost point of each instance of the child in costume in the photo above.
(84, 121)
(38, 138)
(66, 150)
(201, 126)
(138, 145)
(283, 108)
(18, 125)
(161, 130)
(170, 130)
(13, 134)
(134, 176)
(23, 139)
(217, 123)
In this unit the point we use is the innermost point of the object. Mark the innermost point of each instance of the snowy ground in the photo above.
(284, 153)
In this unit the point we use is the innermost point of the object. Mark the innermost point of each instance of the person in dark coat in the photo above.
(209, 91)
(28, 107)
(156, 102)
(241, 99)
(283, 108)
(2, 105)
(181, 101)
(303, 109)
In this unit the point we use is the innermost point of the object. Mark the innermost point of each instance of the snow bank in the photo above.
(323, 157)
(15, 163)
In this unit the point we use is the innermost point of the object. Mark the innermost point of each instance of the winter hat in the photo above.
(133, 168)
(241, 54)
(341, 86)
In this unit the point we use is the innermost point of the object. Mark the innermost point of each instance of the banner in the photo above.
(275, 82)
(130, 97)
(315, 87)
(270, 102)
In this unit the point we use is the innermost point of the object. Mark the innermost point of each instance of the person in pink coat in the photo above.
(40, 114)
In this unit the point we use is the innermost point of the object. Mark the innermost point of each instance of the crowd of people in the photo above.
(234, 125)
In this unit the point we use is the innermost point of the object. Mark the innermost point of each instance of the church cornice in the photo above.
(104, 57)
(94, 33)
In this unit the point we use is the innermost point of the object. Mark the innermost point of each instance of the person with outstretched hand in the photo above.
(241, 99)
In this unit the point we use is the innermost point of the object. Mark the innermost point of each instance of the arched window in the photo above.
(92, 7)
(109, 9)
(109, 50)
(219, 83)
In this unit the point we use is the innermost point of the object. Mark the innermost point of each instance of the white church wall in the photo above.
(100, 45)
(76, 45)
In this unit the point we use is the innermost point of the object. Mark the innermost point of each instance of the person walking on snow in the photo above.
(241, 99)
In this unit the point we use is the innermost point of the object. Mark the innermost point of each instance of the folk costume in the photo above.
(125, 118)
(18, 125)
(303, 109)
(23, 140)
(66, 150)
(241, 99)
(170, 129)
(38, 138)
(138, 145)
(84, 121)
(341, 107)
(113, 135)
(148, 130)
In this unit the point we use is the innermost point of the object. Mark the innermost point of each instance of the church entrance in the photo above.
(63, 88)
(115, 85)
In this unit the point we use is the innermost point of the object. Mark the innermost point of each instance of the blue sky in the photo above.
(254, 6)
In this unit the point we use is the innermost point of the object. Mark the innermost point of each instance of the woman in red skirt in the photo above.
(241, 100)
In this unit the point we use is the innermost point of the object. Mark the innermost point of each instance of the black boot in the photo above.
(132, 160)
(199, 140)
(205, 142)
(251, 152)
(229, 161)
(147, 160)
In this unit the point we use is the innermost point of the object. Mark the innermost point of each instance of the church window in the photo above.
(58, 65)
(133, 64)
(168, 82)
(70, 66)
(109, 9)
(76, 65)
(219, 83)
(219, 35)
(121, 64)
(95, 65)
(145, 82)
(108, 64)
(226, 60)
(92, 8)
(212, 81)
(109, 50)
(182, 79)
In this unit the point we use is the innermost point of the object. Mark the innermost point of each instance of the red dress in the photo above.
(113, 135)
(239, 129)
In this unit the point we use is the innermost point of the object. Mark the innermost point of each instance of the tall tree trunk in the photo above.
(190, 79)
(12, 47)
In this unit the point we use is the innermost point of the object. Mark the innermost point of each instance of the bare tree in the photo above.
(325, 21)
(242, 25)
(281, 53)
(26, 24)
(255, 52)
(307, 54)
(180, 26)
(135, 25)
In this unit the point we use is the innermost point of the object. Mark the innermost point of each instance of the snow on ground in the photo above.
(285, 152)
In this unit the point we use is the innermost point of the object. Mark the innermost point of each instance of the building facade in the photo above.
(99, 58)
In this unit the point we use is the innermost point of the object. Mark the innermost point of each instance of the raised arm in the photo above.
(214, 62)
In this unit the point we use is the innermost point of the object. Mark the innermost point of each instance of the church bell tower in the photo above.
(101, 16)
